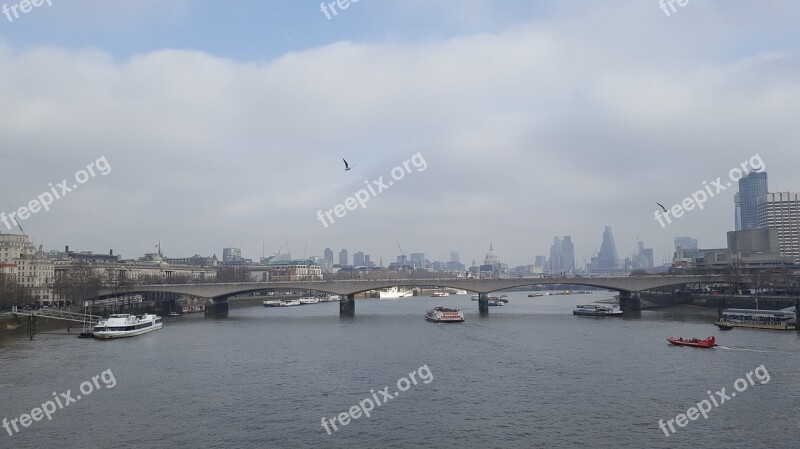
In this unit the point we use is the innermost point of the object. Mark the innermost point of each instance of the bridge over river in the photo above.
(628, 287)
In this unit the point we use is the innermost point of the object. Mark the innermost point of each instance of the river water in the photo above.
(530, 374)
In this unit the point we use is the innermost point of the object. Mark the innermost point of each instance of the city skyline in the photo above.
(236, 140)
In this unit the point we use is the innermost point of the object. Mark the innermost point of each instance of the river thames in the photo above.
(529, 374)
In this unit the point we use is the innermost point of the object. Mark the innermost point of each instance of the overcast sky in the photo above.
(224, 123)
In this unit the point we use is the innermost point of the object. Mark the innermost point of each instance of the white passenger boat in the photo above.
(441, 314)
(784, 319)
(495, 301)
(290, 302)
(272, 303)
(597, 310)
(308, 300)
(330, 298)
(476, 297)
(394, 293)
(460, 292)
(126, 325)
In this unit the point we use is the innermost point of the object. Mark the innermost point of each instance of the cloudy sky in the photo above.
(224, 123)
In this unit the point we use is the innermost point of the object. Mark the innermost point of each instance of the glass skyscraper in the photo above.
(751, 187)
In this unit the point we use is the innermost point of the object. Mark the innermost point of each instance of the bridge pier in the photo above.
(483, 303)
(347, 305)
(629, 301)
(216, 309)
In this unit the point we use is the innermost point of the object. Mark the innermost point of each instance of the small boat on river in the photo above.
(693, 342)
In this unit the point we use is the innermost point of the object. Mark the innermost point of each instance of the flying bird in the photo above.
(662, 206)
(347, 166)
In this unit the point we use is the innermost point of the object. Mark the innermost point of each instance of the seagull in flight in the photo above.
(662, 206)
(347, 166)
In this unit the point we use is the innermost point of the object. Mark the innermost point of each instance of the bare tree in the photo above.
(78, 283)
(733, 275)
(13, 294)
(232, 274)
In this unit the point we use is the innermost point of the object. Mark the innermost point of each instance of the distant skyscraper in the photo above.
(454, 257)
(781, 211)
(607, 257)
(343, 257)
(685, 243)
(540, 261)
(555, 255)
(647, 256)
(417, 259)
(751, 187)
(358, 259)
(567, 255)
(329, 255)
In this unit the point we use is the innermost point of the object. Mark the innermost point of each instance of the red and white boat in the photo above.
(694, 342)
(439, 294)
(441, 314)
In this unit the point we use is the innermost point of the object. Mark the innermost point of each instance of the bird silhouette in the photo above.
(662, 206)
(347, 166)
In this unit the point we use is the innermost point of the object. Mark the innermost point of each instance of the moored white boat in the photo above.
(290, 302)
(126, 325)
(460, 292)
(476, 297)
(394, 293)
(272, 303)
(597, 310)
(308, 300)
(439, 294)
(440, 314)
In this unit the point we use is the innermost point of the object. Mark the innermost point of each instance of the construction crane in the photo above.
(402, 253)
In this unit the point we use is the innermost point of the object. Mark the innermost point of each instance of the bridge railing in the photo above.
(57, 315)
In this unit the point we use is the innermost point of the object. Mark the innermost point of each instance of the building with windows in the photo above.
(293, 270)
(29, 266)
(781, 211)
(231, 254)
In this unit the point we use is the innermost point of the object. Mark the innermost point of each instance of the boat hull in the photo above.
(108, 335)
(728, 325)
(596, 313)
(444, 320)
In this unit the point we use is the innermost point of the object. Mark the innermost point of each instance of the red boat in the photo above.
(694, 342)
